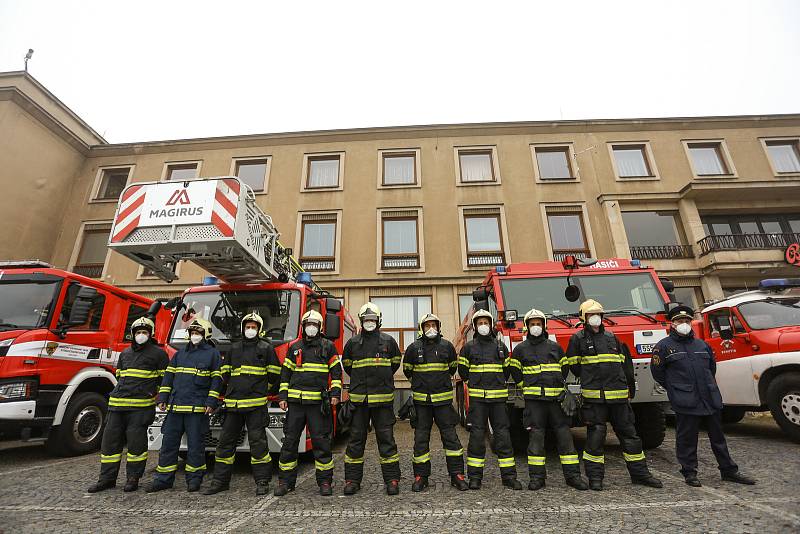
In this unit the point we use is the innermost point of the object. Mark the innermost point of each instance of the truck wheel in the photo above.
(650, 423)
(733, 414)
(81, 430)
(783, 398)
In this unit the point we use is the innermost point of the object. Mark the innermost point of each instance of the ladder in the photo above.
(213, 222)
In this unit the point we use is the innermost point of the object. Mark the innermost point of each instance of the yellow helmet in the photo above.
(253, 317)
(535, 314)
(370, 312)
(143, 323)
(590, 306)
(312, 316)
(201, 325)
(428, 317)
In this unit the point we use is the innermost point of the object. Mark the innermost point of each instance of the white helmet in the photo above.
(370, 312)
(533, 313)
(143, 323)
(428, 317)
(482, 313)
(253, 317)
(312, 316)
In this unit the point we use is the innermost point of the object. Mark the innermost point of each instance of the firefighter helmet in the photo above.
(143, 323)
(370, 312)
(253, 317)
(482, 313)
(312, 316)
(536, 314)
(201, 325)
(590, 306)
(428, 317)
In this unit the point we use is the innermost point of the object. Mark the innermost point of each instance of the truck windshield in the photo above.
(280, 310)
(613, 291)
(26, 304)
(771, 313)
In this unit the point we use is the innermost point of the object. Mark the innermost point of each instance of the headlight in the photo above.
(16, 391)
(276, 421)
(4, 345)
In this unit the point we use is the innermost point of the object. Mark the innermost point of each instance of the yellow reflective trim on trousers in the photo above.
(213, 394)
(287, 466)
(138, 373)
(476, 462)
(633, 457)
(464, 362)
(136, 457)
(304, 395)
(605, 394)
(435, 397)
(110, 458)
(542, 391)
(422, 458)
(264, 460)
(390, 459)
(323, 466)
(506, 462)
(165, 389)
(185, 409)
(245, 403)
(372, 362)
(167, 468)
(459, 452)
(193, 469)
(349, 460)
(429, 367)
(136, 403)
(536, 460)
(487, 368)
(568, 459)
(592, 458)
(488, 393)
(227, 460)
(601, 358)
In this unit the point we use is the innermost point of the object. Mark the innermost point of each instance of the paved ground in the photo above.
(43, 494)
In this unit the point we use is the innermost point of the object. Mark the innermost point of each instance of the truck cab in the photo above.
(60, 337)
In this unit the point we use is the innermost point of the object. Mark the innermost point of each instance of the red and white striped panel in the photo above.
(226, 206)
(130, 210)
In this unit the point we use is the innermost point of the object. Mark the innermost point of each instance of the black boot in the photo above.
(325, 489)
(650, 481)
(536, 484)
(157, 486)
(193, 486)
(102, 485)
(351, 487)
(262, 488)
(474, 483)
(512, 483)
(393, 488)
(577, 482)
(596, 484)
(458, 482)
(691, 480)
(738, 478)
(132, 484)
(420, 483)
(216, 487)
(282, 489)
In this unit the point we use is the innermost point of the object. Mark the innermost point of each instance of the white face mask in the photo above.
(250, 333)
(595, 320)
(141, 339)
(312, 330)
(431, 333)
(536, 330)
(484, 329)
(196, 339)
(683, 328)
(369, 326)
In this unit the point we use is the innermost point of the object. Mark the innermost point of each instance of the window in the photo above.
(398, 168)
(464, 304)
(708, 159)
(400, 236)
(400, 316)
(112, 182)
(145, 272)
(318, 241)
(567, 235)
(784, 155)
(180, 172)
(631, 161)
(92, 254)
(252, 172)
(483, 237)
(477, 165)
(721, 225)
(654, 235)
(688, 296)
(134, 312)
(323, 171)
(553, 163)
(95, 311)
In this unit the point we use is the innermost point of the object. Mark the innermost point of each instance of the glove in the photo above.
(570, 404)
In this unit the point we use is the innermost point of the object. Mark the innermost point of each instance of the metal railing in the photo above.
(90, 270)
(480, 259)
(317, 265)
(661, 252)
(400, 262)
(714, 243)
(579, 254)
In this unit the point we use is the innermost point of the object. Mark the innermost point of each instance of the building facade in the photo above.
(412, 217)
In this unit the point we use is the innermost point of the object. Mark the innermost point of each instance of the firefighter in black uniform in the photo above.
(605, 368)
(539, 367)
(483, 365)
(685, 367)
(249, 371)
(131, 407)
(189, 392)
(429, 364)
(310, 364)
(371, 358)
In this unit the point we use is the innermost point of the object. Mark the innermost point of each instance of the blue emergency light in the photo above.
(776, 284)
(305, 279)
(210, 280)
(500, 269)
(635, 263)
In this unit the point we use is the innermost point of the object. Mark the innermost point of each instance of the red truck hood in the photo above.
(789, 338)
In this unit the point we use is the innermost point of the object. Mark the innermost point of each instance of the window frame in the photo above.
(464, 214)
(98, 182)
(90, 226)
(567, 208)
(167, 164)
(765, 141)
(571, 162)
(379, 267)
(399, 152)
(404, 330)
(267, 159)
(722, 151)
(335, 217)
(140, 274)
(306, 171)
(647, 154)
(477, 149)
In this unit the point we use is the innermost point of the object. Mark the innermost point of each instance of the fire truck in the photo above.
(636, 301)
(60, 337)
(216, 224)
(756, 340)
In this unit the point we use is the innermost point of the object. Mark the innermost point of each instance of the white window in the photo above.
(483, 236)
(476, 166)
(553, 163)
(179, 172)
(464, 304)
(253, 172)
(112, 182)
(631, 161)
(323, 172)
(93, 251)
(401, 316)
(708, 159)
(784, 155)
(318, 241)
(399, 169)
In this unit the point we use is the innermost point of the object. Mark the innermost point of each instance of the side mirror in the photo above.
(155, 307)
(79, 313)
(333, 305)
(667, 284)
(173, 303)
(481, 294)
(333, 325)
(572, 293)
(481, 304)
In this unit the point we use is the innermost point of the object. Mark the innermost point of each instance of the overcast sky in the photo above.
(142, 70)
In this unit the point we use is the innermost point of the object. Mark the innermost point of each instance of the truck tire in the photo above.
(81, 430)
(650, 423)
(783, 399)
(733, 414)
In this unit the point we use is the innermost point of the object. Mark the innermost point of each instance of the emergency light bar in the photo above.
(777, 284)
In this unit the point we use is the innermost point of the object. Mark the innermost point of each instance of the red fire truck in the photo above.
(60, 337)
(636, 302)
(217, 224)
(756, 340)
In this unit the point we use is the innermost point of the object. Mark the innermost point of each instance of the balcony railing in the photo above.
(661, 252)
(90, 270)
(714, 243)
(317, 264)
(410, 261)
(482, 259)
(559, 255)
